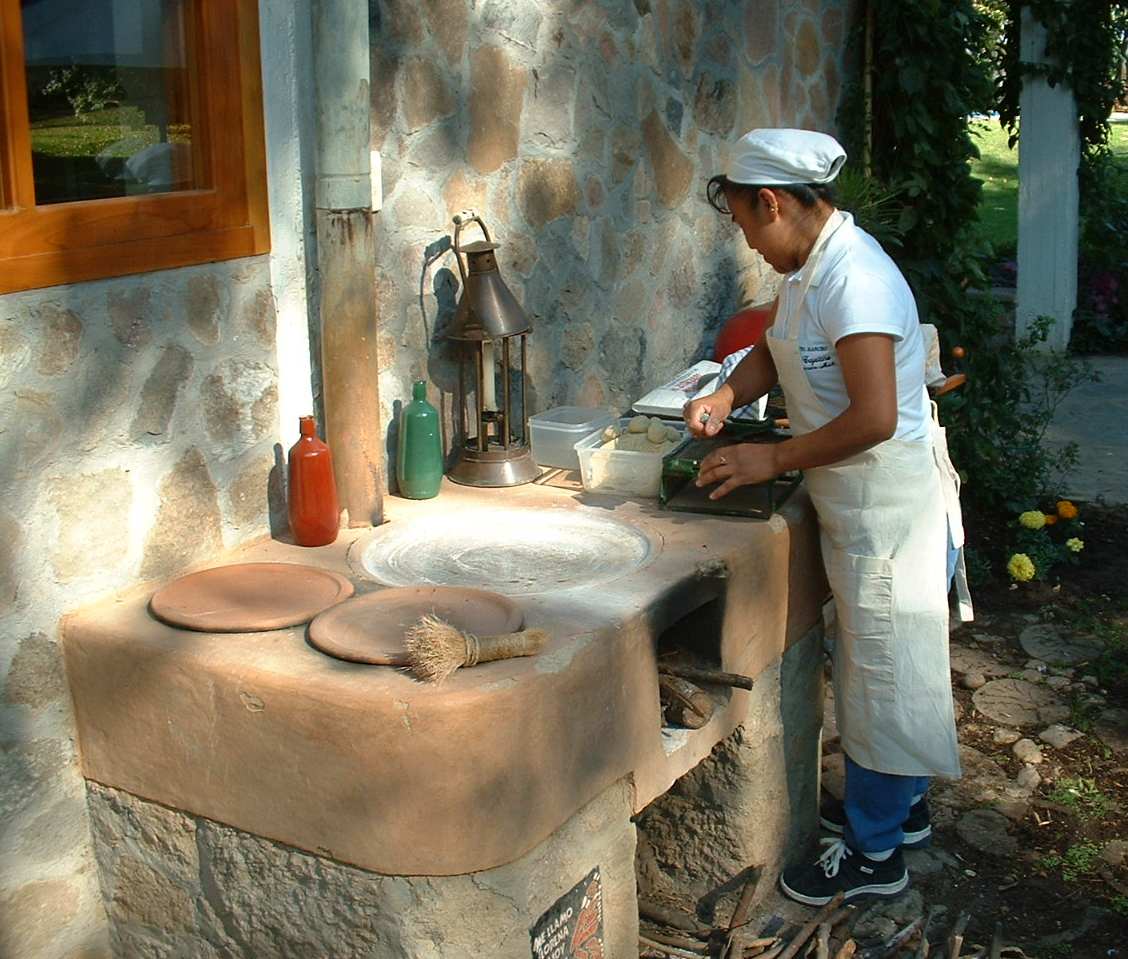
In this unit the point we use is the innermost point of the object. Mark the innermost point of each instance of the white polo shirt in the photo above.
(857, 288)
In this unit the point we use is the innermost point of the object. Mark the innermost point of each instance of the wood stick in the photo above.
(669, 950)
(955, 940)
(737, 947)
(849, 947)
(744, 905)
(823, 941)
(682, 942)
(997, 942)
(898, 939)
(692, 707)
(924, 947)
(674, 918)
(808, 930)
(713, 676)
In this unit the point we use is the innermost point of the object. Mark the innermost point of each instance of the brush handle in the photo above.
(528, 642)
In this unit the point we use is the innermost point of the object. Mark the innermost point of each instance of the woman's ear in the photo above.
(770, 202)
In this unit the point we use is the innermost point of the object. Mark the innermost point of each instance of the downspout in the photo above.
(867, 76)
(346, 255)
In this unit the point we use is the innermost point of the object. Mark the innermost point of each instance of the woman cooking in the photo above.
(845, 346)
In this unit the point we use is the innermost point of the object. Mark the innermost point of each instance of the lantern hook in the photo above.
(461, 220)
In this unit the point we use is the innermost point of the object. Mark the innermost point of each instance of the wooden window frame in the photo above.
(72, 242)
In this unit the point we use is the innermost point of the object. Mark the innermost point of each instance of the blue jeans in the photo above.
(877, 805)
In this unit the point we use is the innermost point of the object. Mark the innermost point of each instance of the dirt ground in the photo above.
(1063, 890)
(1032, 842)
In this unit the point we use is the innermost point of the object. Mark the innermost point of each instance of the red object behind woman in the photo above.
(740, 330)
(314, 515)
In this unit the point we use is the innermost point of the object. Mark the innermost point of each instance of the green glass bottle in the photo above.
(419, 459)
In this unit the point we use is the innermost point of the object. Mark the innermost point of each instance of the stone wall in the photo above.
(181, 886)
(583, 131)
(138, 417)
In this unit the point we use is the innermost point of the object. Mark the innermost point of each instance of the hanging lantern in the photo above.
(491, 329)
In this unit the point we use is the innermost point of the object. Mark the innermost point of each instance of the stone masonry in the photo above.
(138, 419)
(138, 416)
(181, 887)
(584, 134)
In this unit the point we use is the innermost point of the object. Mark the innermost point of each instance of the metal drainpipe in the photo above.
(346, 256)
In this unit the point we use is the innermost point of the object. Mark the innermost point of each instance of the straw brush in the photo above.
(436, 649)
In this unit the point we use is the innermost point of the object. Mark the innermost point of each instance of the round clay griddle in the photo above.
(372, 628)
(248, 597)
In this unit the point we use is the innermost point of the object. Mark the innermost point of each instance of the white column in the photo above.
(1049, 154)
(287, 58)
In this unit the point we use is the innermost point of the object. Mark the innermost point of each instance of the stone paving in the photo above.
(1095, 416)
(1023, 675)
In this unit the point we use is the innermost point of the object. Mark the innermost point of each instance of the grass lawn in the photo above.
(997, 167)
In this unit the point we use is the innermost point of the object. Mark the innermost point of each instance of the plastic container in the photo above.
(621, 471)
(419, 459)
(554, 433)
(312, 491)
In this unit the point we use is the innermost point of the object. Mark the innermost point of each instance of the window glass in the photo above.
(109, 98)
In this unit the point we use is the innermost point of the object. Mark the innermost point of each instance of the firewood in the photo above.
(665, 916)
(808, 930)
(997, 941)
(681, 942)
(714, 677)
(955, 940)
(669, 950)
(823, 939)
(744, 905)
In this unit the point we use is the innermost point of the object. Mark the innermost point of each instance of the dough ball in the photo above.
(656, 432)
(672, 435)
(639, 424)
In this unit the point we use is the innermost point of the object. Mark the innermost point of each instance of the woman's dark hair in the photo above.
(721, 187)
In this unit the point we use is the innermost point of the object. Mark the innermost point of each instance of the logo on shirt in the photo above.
(816, 356)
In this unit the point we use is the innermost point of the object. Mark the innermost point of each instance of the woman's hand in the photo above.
(739, 465)
(706, 415)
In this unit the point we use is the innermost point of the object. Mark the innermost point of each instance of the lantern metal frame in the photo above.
(498, 453)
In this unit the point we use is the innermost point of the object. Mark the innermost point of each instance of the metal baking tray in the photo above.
(678, 491)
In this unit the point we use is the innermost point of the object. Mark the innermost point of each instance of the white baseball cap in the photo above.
(776, 157)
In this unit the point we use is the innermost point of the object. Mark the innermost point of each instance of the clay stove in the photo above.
(343, 809)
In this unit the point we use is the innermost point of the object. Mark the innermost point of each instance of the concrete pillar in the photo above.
(1049, 154)
(346, 255)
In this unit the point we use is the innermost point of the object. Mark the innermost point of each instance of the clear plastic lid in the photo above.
(573, 419)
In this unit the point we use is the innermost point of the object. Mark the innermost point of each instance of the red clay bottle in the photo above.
(314, 514)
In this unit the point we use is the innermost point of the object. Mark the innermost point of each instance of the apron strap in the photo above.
(810, 268)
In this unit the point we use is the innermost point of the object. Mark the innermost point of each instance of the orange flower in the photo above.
(1050, 519)
(1066, 510)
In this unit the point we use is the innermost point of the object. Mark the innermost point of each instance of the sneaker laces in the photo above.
(831, 859)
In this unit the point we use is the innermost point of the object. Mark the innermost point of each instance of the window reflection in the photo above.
(109, 97)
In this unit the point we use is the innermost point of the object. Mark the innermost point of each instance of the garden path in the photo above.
(1095, 416)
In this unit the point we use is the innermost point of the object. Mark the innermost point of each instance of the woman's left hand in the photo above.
(739, 465)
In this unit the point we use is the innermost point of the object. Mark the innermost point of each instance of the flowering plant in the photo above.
(1044, 539)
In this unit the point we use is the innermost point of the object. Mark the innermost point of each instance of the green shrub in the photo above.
(997, 423)
(1101, 322)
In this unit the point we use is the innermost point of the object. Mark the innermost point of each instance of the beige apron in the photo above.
(883, 522)
(950, 485)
